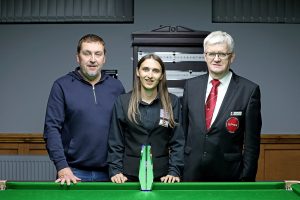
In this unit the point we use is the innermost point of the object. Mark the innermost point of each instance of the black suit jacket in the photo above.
(126, 139)
(229, 151)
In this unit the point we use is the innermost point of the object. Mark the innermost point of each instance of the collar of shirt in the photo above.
(223, 85)
(145, 103)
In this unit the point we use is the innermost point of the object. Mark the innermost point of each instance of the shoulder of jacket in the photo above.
(245, 81)
(173, 97)
(114, 81)
(125, 97)
(64, 79)
(195, 80)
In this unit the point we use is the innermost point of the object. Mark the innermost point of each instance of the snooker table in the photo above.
(160, 191)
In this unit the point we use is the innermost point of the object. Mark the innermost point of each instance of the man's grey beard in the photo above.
(92, 75)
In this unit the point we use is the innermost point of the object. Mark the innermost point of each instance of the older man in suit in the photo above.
(221, 118)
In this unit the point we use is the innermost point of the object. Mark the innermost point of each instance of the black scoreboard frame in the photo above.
(174, 42)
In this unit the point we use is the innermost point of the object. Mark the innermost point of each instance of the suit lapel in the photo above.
(200, 93)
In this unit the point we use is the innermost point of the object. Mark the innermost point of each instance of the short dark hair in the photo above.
(90, 38)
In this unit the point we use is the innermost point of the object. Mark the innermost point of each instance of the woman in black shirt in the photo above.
(146, 115)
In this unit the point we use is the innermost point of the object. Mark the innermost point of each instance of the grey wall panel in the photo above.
(55, 11)
(256, 11)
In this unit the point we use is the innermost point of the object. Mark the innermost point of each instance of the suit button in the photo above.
(204, 153)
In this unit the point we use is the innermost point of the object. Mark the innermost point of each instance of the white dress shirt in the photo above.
(222, 88)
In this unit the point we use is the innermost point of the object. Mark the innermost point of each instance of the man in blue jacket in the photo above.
(78, 116)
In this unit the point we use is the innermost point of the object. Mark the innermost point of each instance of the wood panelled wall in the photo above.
(279, 157)
(22, 144)
(279, 154)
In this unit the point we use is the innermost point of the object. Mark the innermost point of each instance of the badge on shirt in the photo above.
(232, 124)
(164, 118)
(236, 113)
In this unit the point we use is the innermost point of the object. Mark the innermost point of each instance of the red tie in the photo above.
(211, 102)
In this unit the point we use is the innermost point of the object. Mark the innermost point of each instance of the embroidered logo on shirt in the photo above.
(232, 124)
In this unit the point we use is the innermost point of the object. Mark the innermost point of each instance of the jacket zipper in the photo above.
(95, 98)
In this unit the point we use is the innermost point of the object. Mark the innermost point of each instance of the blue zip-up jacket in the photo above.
(78, 119)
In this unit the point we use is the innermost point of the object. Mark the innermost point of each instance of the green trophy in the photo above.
(146, 169)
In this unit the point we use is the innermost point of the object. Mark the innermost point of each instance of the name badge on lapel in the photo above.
(236, 113)
(164, 118)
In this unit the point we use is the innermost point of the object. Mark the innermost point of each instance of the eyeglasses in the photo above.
(221, 55)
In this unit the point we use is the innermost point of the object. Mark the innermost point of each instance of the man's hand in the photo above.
(119, 178)
(66, 175)
(170, 179)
